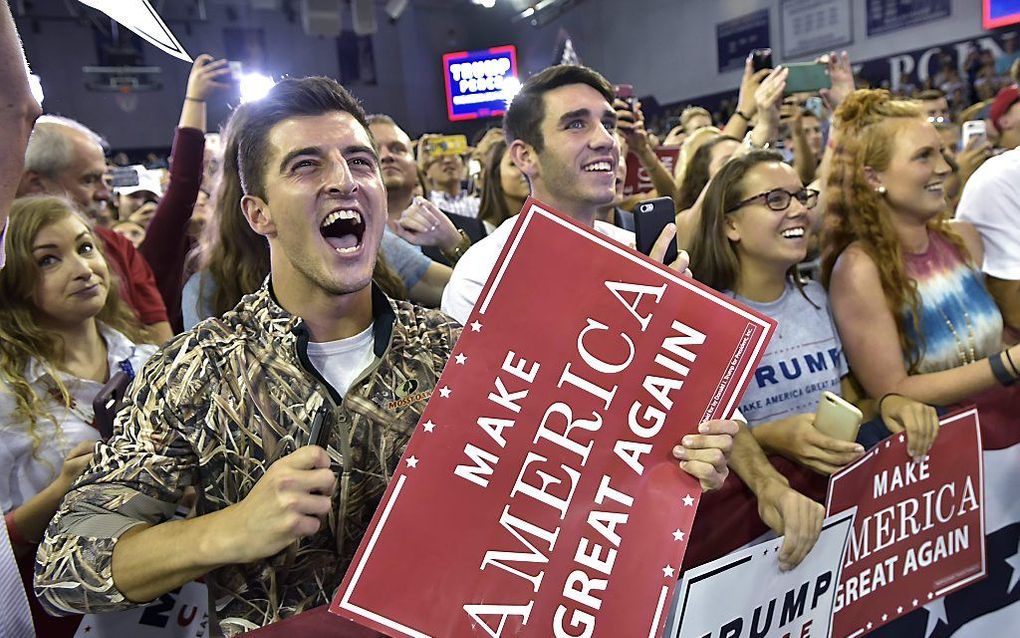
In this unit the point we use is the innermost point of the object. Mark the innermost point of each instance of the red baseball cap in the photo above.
(1006, 98)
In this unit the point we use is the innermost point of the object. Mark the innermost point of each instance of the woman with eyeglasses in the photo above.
(907, 293)
(754, 229)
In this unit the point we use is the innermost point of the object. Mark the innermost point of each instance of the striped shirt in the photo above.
(461, 204)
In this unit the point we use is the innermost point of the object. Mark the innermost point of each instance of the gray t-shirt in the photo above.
(804, 358)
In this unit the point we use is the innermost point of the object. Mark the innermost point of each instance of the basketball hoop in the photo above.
(126, 99)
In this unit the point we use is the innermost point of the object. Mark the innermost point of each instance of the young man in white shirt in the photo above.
(991, 201)
(560, 130)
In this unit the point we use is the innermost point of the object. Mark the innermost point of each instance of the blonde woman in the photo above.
(64, 330)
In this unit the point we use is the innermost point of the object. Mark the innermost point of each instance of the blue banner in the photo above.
(735, 39)
(479, 83)
(892, 15)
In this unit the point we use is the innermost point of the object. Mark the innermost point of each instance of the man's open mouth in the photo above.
(343, 230)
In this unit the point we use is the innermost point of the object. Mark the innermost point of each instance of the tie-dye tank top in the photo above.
(959, 319)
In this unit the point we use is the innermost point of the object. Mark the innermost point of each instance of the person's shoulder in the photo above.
(855, 267)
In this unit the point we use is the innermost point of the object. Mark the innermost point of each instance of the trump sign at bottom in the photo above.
(539, 496)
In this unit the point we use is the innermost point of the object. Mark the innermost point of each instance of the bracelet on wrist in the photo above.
(741, 115)
(1012, 364)
(454, 254)
(193, 99)
(884, 397)
(999, 370)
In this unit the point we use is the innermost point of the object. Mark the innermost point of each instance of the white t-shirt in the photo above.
(26, 468)
(991, 201)
(473, 268)
(341, 361)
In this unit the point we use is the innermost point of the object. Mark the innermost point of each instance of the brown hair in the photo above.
(21, 337)
(866, 123)
(714, 261)
(235, 256)
(291, 97)
(696, 176)
(493, 208)
(523, 120)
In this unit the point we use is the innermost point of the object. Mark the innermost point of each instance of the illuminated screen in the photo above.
(479, 83)
(999, 13)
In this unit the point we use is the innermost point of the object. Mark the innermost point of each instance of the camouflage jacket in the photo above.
(213, 409)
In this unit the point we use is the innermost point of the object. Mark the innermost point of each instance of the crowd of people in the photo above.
(301, 267)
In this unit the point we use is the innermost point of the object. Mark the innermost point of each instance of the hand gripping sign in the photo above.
(919, 532)
(746, 594)
(538, 496)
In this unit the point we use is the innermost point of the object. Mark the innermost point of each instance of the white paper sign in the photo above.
(140, 17)
(744, 593)
(179, 614)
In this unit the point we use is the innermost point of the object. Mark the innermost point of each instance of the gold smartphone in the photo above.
(837, 417)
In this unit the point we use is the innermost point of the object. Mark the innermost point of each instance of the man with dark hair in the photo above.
(561, 131)
(935, 105)
(232, 407)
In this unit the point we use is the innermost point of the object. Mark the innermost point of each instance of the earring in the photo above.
(880, 190)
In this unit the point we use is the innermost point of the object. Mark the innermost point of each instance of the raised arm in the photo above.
(18, 112)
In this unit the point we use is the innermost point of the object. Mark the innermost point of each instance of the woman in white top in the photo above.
(63, 331)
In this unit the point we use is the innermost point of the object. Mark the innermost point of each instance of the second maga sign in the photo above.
(539, 496)
(919, 532)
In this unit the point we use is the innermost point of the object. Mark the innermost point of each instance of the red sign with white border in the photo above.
(638, 180)
(919, 532)
(538, 496)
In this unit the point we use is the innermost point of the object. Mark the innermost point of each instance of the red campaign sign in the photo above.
(539, 496)
(638, 180)
(919, 532)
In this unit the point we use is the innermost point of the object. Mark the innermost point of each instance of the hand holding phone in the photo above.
(837, 417)
(973, 129)
(761, 59)
(650, 218)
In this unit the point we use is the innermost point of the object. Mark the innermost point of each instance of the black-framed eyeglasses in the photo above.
(778, 199)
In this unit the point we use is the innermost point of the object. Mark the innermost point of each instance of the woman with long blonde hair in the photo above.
(907, 295)
(64, 331)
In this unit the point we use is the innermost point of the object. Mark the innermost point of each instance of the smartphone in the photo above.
(761, 59)
(650, 217)
(447, 145)
(972, 129)
(807, 77)
(108, 401)
(837, 417)
(236, 70)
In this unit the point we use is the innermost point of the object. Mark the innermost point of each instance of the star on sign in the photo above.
(429, 425)
(936, 614)
(1014, 566)
(412, 462)
(668, 572)
(869, 626)
(688, 501)
(475, 326)
(444, 392)
(885, 617)
(678, 535)
(914, 602)
(461, 359)
(901, 438)
(899, 610)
